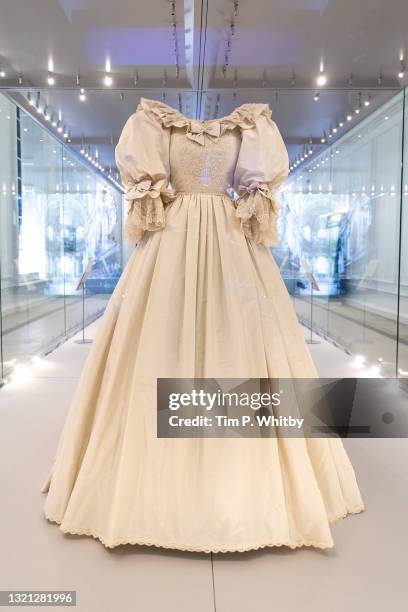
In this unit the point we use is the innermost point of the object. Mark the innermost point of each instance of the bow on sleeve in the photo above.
(262, 167)
(142, 158)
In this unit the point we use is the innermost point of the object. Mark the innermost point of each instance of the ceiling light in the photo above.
(107, 80)
(335, 130)
(82, 95)
(59, 126)
(321, 79)
(357, 111)
(50, 79)
(30, 99)
(316, 96)
(401, 72)
(367, 101)
(2, 73)
(341, 124)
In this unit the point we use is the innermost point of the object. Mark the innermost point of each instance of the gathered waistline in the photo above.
(222, 193)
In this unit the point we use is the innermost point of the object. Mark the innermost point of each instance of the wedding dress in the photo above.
(200, 296)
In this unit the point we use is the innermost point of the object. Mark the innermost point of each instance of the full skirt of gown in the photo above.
(197, 299)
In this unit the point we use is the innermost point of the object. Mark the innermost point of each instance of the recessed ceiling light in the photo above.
(321, 79)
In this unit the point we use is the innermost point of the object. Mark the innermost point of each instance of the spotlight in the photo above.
(349, 117)
(401, 72)
(341, 124)
(359, 360)
(357, 111)
(107, 80)
(367, 101)
(50, 79)
(335, 130)
(321, 79)
(82, 95)
(316, 96)
(65, 132)
(59, 127)
(30, 99)
(323, 139)
(2, 73)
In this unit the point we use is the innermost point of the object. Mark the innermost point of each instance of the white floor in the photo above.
(366, 570)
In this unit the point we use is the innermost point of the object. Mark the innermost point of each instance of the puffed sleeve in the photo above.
(262, 166)
(142, 157)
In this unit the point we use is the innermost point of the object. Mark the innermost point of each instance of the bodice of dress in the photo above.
(209, 168)
(161, 153)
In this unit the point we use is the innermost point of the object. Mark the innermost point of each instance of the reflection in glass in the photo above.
(56, 213)
(342, 215)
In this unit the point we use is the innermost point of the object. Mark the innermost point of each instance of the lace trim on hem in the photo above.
(203, 549)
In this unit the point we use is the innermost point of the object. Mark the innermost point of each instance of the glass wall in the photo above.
(342, 222)
(57, 214)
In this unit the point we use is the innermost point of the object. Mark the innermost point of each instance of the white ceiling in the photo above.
(274, 52)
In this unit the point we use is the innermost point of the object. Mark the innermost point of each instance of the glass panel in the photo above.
(56, 213)
(41, 287)
(403, 302)
(92, 231)
(9, 223)
(345, 208)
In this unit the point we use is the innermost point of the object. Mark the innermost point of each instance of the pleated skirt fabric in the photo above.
(196, 299)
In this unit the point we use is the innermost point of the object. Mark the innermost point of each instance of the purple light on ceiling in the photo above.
(132, 46)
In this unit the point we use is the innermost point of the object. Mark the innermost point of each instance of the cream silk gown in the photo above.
(200, 296)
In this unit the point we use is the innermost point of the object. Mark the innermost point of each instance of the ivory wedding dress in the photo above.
(200, 296)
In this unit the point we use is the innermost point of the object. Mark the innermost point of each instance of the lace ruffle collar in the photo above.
(244, 116)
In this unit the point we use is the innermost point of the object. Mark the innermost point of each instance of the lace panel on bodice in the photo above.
(205, 168)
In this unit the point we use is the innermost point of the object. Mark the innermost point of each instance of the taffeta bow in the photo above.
(198, 130)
